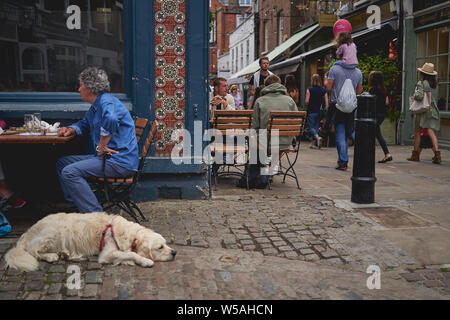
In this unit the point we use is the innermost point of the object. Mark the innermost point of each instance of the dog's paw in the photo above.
(51, 257)
(128, 263)
(147, 263)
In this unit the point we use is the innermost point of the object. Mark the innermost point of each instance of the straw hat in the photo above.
(428, 68)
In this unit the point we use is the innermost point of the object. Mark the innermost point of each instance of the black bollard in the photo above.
(363, 180)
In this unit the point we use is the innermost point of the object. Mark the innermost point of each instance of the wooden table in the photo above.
(18, 139)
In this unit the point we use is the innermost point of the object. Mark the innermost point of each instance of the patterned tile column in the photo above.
(170, 44)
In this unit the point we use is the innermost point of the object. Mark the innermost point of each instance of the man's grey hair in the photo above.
(95, 79)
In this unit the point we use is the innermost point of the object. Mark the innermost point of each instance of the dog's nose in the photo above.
(174, 253)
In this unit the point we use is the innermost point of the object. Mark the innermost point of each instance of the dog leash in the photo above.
(103, 237)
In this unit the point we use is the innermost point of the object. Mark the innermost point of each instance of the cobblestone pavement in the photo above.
(246, 247)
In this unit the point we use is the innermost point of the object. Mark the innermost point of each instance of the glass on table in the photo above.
(28, 122)
(37, 123)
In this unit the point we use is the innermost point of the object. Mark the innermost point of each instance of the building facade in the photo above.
(156, 55)
(242, 45)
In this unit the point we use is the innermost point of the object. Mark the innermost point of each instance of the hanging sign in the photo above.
(327, 20)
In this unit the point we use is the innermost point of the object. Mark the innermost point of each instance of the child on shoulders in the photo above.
(347, 51)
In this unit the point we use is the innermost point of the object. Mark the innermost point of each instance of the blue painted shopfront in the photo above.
(162, 177)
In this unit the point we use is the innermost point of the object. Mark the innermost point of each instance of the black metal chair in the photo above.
(287, 123)
(116, 192)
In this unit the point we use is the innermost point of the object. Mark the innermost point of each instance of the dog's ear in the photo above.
(144, 249)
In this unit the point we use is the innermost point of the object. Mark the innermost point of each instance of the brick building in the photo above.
(279, 20)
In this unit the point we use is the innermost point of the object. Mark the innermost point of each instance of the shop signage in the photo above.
(437, 16)
(327, 20)
(382, 13)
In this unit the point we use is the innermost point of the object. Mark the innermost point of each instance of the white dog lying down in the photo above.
(77, 236)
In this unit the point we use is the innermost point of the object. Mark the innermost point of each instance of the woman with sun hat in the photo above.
(430, 119)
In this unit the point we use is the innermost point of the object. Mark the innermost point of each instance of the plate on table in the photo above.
(9, 132)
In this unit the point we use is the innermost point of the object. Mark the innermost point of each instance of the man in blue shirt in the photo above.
(344, 123)
(111, 130)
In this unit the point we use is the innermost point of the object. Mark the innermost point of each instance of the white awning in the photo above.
(254, 66)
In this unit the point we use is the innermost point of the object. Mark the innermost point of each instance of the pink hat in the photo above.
(342, 25)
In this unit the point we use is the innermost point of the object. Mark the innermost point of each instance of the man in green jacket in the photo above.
(273, 98)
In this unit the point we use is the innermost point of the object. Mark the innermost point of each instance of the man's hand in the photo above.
(66, 132)
(218, 100)
(101, 151)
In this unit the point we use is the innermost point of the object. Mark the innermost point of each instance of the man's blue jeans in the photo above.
(341, 143)
(344, 128)
(73, 172)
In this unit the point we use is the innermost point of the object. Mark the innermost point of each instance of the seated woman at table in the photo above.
(111, 129)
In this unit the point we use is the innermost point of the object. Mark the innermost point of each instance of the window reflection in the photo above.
(44, 47)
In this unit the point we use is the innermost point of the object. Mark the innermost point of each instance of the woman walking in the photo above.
(316, 97)
(430, 119)
(377, 88)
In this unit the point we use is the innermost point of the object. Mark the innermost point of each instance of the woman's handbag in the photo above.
(417, 107)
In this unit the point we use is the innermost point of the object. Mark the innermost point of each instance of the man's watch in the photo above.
(98, 149)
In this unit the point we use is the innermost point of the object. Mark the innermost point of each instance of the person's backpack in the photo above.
(347, 101)
(5, 227)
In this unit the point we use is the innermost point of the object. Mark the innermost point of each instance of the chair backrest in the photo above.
(148, 143)
(232, 119)
(150, 138)
(139, 125)
(286, 123)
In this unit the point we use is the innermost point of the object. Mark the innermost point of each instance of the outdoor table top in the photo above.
(20, 139)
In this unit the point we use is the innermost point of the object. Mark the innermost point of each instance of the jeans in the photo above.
(73, 172)
(344, 128)
(380, 119)
(313, 123)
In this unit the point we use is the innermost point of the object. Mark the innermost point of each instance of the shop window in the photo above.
(248, 52)
(280, 28)
(266, 36)
(44, 60)
(433, 46)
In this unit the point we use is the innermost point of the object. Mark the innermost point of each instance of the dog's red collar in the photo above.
(134, 245)
(103, 238)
